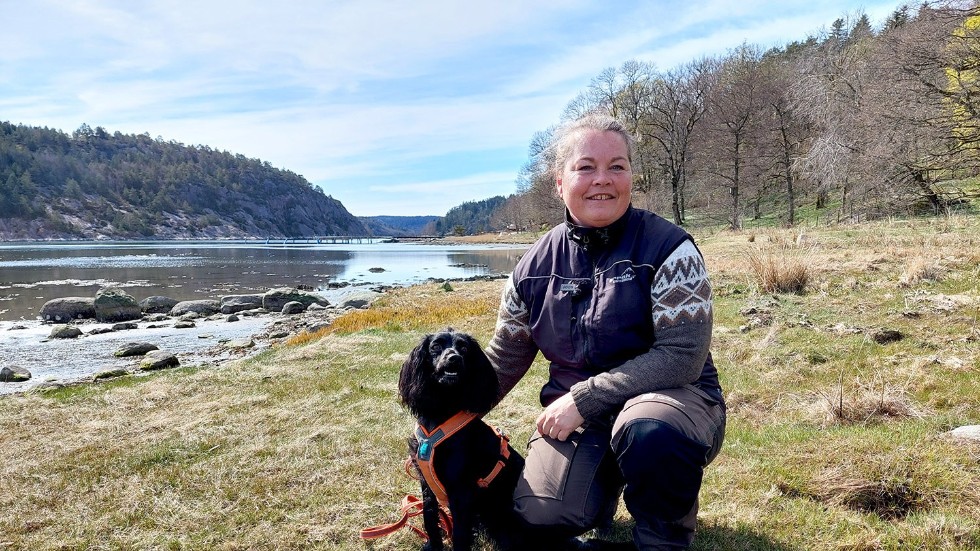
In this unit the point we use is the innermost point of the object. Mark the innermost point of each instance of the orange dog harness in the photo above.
(425, 459)
(429, 440)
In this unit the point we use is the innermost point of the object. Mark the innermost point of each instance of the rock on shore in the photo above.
(82, 349)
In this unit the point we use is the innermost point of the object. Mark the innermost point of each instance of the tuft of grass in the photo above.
(918, 269)
(781, 270)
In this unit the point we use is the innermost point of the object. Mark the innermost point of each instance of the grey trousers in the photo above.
(653, 452)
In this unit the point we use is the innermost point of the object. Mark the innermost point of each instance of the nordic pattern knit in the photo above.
(618, 313)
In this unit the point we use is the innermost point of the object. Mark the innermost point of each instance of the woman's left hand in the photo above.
(560, 419)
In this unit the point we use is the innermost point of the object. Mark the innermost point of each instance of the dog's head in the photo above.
(447, 372)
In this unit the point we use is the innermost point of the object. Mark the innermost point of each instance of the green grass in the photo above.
(834, 440)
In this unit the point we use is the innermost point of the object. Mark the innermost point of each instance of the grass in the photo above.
(835, 441)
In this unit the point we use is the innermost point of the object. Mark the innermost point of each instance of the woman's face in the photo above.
(596, 180)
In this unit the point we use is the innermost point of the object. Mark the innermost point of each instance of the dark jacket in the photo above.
(618, 311)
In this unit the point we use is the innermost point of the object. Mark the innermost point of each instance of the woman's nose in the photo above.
(602, 177)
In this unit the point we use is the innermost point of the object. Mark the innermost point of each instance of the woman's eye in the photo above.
(583, 168)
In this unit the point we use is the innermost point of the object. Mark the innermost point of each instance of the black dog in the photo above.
(448, 373)
(446, 377)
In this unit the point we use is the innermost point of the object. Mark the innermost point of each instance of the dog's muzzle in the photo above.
(448, 366)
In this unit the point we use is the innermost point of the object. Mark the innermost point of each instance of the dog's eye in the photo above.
(461, 348)
(436, 348)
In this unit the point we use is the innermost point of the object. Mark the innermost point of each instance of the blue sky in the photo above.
(393, 108)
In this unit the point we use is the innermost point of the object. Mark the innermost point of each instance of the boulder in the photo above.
(125, 325)
(134, 349)
(205, 307)
(275, 299)
(113, 304)
(239, 343)
(158, 359)
(65, 332)
(232, 304)
(68, 308)
(14, 374)
(966, 432)
(157, 304)
(359, 298)
(110, 374)
(185, 324)
(232, 318)
(100, 330)
(294, 307)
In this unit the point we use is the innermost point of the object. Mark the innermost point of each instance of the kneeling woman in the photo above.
(618, 300)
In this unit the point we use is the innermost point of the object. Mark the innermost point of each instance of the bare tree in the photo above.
(674, 107)
(539, 199)
(734, 109)
(830, 94)
(787, 132)
(922, 109)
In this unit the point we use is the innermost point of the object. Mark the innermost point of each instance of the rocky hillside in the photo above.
(95, 185)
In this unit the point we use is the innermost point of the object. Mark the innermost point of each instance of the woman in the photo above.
(618, 300)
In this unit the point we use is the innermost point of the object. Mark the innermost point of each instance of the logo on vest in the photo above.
(628, 275)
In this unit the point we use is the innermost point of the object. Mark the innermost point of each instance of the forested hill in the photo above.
(92, 184)
(399, 225)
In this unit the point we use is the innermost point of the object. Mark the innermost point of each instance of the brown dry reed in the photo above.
(783, 269)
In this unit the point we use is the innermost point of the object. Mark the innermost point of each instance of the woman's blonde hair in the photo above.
(564, 138)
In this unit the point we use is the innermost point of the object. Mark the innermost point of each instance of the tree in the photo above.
(734, 110)
(675, 107)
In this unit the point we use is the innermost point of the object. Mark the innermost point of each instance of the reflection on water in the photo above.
(31, 274)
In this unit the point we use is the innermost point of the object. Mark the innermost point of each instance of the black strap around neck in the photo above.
(596, 239)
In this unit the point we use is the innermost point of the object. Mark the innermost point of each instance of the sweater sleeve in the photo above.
(511, 349)
(682, 316)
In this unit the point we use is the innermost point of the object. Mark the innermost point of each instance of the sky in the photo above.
(393, 108)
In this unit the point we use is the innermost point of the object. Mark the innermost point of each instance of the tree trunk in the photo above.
(938, 203)
(675, 203)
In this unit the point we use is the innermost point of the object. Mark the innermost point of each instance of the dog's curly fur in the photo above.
(445, 374)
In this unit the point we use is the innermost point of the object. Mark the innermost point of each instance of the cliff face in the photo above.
(92, 185)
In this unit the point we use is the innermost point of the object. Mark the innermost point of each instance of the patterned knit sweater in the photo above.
(618, 311)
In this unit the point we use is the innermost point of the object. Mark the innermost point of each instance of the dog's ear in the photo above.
(414, 371)
(485, 385)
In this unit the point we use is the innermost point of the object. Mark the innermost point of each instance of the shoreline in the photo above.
(211, 341)
(494, 238)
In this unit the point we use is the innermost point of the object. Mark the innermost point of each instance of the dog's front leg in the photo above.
(462, 507)
(430, 519)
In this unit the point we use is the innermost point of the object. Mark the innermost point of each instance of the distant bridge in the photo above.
(346, 239)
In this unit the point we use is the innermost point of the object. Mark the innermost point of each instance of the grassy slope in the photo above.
(834, 441)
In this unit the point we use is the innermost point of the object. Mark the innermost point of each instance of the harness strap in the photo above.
(501, 463)
(411, 506)
(428, 440)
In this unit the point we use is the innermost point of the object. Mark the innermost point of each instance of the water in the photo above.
(32, 274)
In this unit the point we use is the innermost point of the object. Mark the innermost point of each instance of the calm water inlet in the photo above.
(32, 274)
